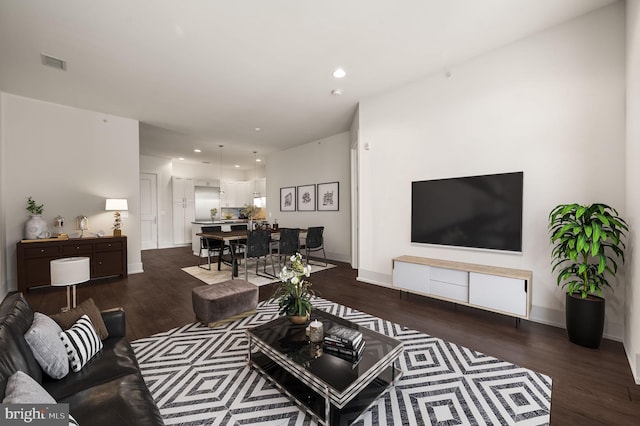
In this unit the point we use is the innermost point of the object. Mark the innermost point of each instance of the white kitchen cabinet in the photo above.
(503, 290)
(211, 183)
(236, 194)
(183, 190)
(259, 186)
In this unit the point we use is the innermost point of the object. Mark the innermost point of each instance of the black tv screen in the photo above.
(475, 211)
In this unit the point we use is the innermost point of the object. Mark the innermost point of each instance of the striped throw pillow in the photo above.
(81, 342)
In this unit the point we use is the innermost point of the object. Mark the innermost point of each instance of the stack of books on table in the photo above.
(344, 342)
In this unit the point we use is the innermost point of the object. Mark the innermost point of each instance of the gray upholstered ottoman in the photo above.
(227, 301)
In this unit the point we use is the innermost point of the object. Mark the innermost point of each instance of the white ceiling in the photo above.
(211, 71)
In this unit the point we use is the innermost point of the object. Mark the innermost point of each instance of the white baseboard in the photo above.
(376, 278)
(135, 268)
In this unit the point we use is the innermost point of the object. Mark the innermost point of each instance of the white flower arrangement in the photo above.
(294, 294)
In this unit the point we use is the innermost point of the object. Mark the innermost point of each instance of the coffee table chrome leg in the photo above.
(327, 406)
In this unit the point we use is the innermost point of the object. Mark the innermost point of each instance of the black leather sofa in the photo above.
(108, 390)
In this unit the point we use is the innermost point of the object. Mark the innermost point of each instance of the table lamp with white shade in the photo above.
(68, 272)
(117, 205)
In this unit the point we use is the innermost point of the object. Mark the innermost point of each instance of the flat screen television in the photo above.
(482, 212)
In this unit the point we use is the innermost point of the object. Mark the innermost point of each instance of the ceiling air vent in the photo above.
(54, 62)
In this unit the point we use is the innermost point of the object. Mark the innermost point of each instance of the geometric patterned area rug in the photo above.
(199, 376)
(214, 276)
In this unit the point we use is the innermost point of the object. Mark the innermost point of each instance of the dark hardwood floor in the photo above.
(590, 387)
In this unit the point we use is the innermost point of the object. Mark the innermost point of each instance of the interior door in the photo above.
(148, 211)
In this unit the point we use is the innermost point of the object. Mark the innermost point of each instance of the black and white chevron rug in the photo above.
(199, 376)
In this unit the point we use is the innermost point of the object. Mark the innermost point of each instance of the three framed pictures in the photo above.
(308, 198)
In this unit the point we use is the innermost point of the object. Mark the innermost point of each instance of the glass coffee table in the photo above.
(333, 389)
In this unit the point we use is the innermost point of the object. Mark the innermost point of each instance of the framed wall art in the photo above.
(306, 198)
(288, 199)
(328, 196)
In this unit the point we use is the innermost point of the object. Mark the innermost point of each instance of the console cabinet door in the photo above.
(411, 276)
(498, 293)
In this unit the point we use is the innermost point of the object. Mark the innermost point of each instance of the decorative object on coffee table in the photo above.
(316, 331)
(117, 205)
(294, 292)
(36, 227)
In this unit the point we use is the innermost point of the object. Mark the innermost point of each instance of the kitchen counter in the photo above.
(219, 222)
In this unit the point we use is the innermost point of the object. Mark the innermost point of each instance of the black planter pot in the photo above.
(585, 319)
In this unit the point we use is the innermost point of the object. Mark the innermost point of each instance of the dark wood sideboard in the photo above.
(108, 258)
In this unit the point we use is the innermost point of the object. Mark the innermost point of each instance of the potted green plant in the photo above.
(294, 292)
(36, 227)
(33, 208)
(587, 242)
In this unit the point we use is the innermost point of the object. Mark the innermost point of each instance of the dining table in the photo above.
(234, 236)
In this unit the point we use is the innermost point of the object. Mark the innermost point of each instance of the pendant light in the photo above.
(220, 168)
(256, 194)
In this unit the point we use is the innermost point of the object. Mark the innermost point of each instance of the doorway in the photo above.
(148, 211)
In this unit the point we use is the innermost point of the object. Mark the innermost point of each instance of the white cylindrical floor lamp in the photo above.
(69, 272)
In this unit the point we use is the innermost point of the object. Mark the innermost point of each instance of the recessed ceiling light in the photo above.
(181, 158)
(339, 73)
(197, 150)
(258, 129)
(336, 92)
(237, 166)
(258, 160)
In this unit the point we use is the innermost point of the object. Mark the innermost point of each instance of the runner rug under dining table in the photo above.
(199, 376)
(213, 276)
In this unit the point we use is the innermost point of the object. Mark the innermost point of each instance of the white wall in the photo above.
(322, 161)
(70, 160)
(632, 309)
(551, 105)
(3, 278)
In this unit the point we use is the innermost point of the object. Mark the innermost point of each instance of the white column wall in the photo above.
(70, 160)
(321, 161)
(551, 105)
(632, 309)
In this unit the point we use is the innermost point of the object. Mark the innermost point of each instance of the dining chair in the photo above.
(213, 247)
(315, 242)
(257, 246)
(241, 227)
(287, 245)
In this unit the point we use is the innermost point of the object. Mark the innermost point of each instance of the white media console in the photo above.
(503, 290)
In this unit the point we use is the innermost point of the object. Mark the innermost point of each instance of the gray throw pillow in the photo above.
(23, 389)
(43, 338)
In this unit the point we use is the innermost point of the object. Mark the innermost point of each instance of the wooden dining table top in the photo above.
(235, 235)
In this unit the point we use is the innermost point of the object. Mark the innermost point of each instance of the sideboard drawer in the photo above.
(77, 248)
(108, 246)
(42, 251)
